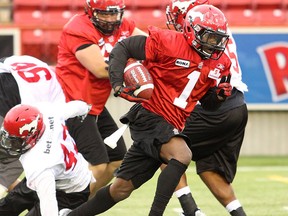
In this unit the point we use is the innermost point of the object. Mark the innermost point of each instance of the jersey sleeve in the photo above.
(73, 109)
(79, 31)
(152, 45)
(45, 187)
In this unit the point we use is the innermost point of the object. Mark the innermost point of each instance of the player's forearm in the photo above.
(132, 47)
(46, 191)
(73, 109)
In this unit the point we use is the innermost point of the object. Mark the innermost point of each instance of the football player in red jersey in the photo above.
(215, 147)
(183, 73)
(84, 48)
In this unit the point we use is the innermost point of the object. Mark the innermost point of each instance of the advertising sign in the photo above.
(263, 57)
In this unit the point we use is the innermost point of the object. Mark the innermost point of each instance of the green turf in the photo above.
(261, 185)
(263, 161)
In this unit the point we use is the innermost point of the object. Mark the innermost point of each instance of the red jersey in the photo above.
(180, 76)
(77, 82)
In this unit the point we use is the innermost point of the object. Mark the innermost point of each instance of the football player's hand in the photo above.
(82, 117)
(224, 88)
(127, 93)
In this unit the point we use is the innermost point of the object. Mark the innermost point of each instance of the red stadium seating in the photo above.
(271, 12)
(57, 17)
(28, 3)
(58, 3)
(129, 4)
(79, 4)
(217, 3)
(28, 17)
(145, 17)
(32, 36)
(240, 16)
(269, 2)
(150, 3)
(41, 21)
(237, 2)
(271, 16)
(41, 43)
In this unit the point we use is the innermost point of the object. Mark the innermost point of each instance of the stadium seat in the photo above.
(145, 17)
(40, 36)
(239, 12)
(28, 17)
(52, 36)
(129, 4)
(153, 4)
(238, 16)
(32, 36)
(79, 4)
(59, 3)
(22, 4)
(237, 2)
(217, 3)
(269, 2)
(271, 16)
(57, 17)
(41, 43)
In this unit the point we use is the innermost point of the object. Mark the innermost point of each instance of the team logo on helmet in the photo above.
(197, 14)
(31, 127)
(182, 6)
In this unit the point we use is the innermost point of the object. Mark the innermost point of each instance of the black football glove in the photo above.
(224, 88)
(107, 62)
(127, 93)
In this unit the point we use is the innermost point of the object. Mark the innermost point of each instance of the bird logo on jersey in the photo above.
(31, 127)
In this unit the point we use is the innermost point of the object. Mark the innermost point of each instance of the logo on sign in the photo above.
(274, 57)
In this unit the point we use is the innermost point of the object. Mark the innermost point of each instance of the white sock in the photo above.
(235, 204)
(182, 191)
(3, 191)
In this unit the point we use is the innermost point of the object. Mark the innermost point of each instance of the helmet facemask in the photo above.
(173, 20)
(208, 43)
(104, 26)
(14, 146)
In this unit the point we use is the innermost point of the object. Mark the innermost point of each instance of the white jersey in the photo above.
(235, 69)
(37, 82)
(56, 154)
(56, 150)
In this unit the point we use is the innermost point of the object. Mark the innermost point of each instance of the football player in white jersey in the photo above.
(217, 136)
(23, 79)
(52, 164)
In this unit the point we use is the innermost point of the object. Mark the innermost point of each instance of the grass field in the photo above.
(261, 185)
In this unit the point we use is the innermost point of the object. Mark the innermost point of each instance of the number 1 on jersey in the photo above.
(181, 101)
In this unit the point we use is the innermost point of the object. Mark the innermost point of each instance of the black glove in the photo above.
(127, 93)
(224, 88)
(107, 62)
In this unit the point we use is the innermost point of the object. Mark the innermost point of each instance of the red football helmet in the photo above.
(22, 127)
(105, 8)
(176, 12)
(205, 29)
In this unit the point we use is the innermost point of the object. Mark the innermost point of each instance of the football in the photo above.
(136, 74)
